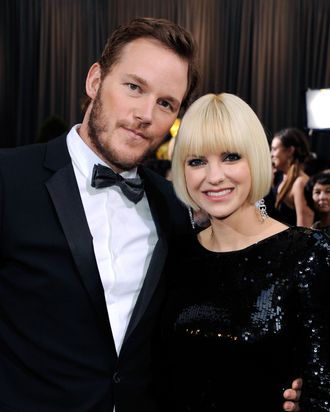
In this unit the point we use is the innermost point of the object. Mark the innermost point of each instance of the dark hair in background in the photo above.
(171, 35)
(292, 137)
(322, 178)
(52, 127)
(296, 138)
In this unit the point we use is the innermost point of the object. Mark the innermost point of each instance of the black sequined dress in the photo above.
(239, 326)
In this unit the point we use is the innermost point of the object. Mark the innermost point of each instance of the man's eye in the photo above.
(195, 162)
(132, 86)
(231, 157)
(165, 104)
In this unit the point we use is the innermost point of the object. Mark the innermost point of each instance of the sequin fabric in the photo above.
(239, 326)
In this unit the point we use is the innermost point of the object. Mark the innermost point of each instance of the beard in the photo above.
(97, 125)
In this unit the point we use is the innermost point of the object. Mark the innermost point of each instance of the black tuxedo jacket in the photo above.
(56, 347)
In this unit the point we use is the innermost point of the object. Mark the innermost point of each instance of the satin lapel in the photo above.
(158, 258)
(64, 192)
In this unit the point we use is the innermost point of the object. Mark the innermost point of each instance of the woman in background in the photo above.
(248, 296)
(289, 151)
(317, 193)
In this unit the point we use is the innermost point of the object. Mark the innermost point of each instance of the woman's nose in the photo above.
(215, 174)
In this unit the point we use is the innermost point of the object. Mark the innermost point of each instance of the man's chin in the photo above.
(123, 167)
(125, 164)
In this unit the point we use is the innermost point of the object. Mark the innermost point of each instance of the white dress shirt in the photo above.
(124, 236)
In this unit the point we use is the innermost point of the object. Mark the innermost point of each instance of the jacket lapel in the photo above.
(64, 192)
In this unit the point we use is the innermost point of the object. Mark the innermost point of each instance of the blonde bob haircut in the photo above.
(222, 123)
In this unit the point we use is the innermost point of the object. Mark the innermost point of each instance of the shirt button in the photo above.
(116, 377)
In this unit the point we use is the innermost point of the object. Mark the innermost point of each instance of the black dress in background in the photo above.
(239, 326)
(283, 213)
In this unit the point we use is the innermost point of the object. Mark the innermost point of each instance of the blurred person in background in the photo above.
(52, 127)
(317, 193)
(289, 151)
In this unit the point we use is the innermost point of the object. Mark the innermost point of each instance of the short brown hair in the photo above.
(173, 36)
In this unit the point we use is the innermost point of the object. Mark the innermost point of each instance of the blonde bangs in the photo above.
(220, 124)
(207, 128)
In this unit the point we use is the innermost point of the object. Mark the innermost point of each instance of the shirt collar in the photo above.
(85, 158)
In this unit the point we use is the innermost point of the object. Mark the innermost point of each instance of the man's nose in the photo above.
(144, 110)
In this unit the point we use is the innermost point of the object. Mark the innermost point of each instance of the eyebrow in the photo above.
(138, 79)
(145, 83)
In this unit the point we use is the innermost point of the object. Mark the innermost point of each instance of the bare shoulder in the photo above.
(300, 183)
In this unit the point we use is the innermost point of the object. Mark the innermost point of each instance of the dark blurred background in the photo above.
(269, 52)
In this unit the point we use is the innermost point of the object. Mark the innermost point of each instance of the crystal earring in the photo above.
(191, 216)
(261, 206)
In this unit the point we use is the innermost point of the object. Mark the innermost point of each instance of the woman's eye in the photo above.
(231, 157)
(195, 162)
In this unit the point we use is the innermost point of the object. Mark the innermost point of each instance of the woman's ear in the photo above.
(291, 150)
(93, 81)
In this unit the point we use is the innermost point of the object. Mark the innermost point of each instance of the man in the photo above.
(81, 264)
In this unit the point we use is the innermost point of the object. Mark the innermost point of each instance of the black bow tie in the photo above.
(103, 176)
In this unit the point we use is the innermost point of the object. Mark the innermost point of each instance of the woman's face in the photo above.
(281, 155)
(218, 183)
(321, 198)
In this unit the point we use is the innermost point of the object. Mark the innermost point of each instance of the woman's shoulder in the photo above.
(310, 235)
(309, 242)
(297, 242)
(300, 182)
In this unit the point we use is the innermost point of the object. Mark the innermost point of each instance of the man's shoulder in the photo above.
(29, 154)
(162, 192)
(160, 187)
(156, 181)
(21, 160)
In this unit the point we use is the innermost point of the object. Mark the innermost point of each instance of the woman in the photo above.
(289, 151)
(317, 194)
(247, 295)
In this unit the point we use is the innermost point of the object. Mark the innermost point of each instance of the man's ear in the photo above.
(93, 81)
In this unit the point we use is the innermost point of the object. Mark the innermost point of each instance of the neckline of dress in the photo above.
(247, 248)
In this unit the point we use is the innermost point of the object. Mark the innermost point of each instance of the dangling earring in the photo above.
(191, 216)
(261, 206)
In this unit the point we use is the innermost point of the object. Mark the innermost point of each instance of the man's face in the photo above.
(136, 103)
